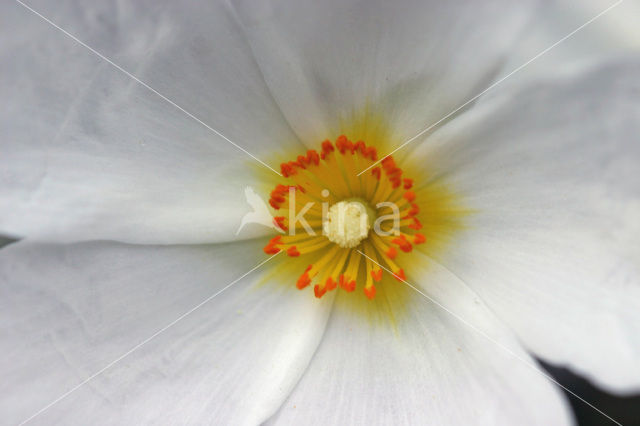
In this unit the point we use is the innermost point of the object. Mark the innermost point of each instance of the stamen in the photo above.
(343, 226)
(293, 251)
(304, 279)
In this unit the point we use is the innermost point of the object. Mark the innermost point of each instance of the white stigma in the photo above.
(347, 223)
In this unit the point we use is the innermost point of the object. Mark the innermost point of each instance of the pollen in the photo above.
(353, 231)
(347, 223)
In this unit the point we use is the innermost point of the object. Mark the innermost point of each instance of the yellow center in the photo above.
(339, 240)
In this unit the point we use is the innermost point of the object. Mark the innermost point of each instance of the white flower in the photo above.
(128, 207)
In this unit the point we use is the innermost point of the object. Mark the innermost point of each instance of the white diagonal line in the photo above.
(145, 341)
(492, 340)
(495, 84)
(127, 73)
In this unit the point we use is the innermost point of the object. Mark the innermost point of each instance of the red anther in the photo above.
(394, 177)
(276, 190)
(416, 224)
(278, 198)
(304, 279)
(376, 275)
(346, 284)
(401, 240)
(367, 152)
(280, 190)
(343, 144)
(399, 275)
(373, 154)
(387, 162)
(313, 157)
(406, 247)
(327, 147)
(409, 196)
(395, 181)
(293, 251)
(393, 172)
(342, 281)
(370, 292)
(408, 183)
(287, 169)
(301, 188)
(274, 204)
(269, 249)
(376, 172)
(392, 252)
(319, 291)
(302, 161)
(403, 243)
(292, 167)
(279, 222)
(330, 284)
(419, 239)
(387, 168)
(414, 210)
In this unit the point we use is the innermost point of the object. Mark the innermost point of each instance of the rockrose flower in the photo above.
(131, 132)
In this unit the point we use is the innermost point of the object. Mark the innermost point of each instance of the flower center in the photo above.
(342, 245)
(347, 223)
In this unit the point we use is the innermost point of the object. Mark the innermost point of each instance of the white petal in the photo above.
(66, 312)
(612, 33)
(410, 61)
(552, 173)
(430, 369)
(88, 153)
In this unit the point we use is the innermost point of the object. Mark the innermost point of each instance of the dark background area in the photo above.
(625, 410)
